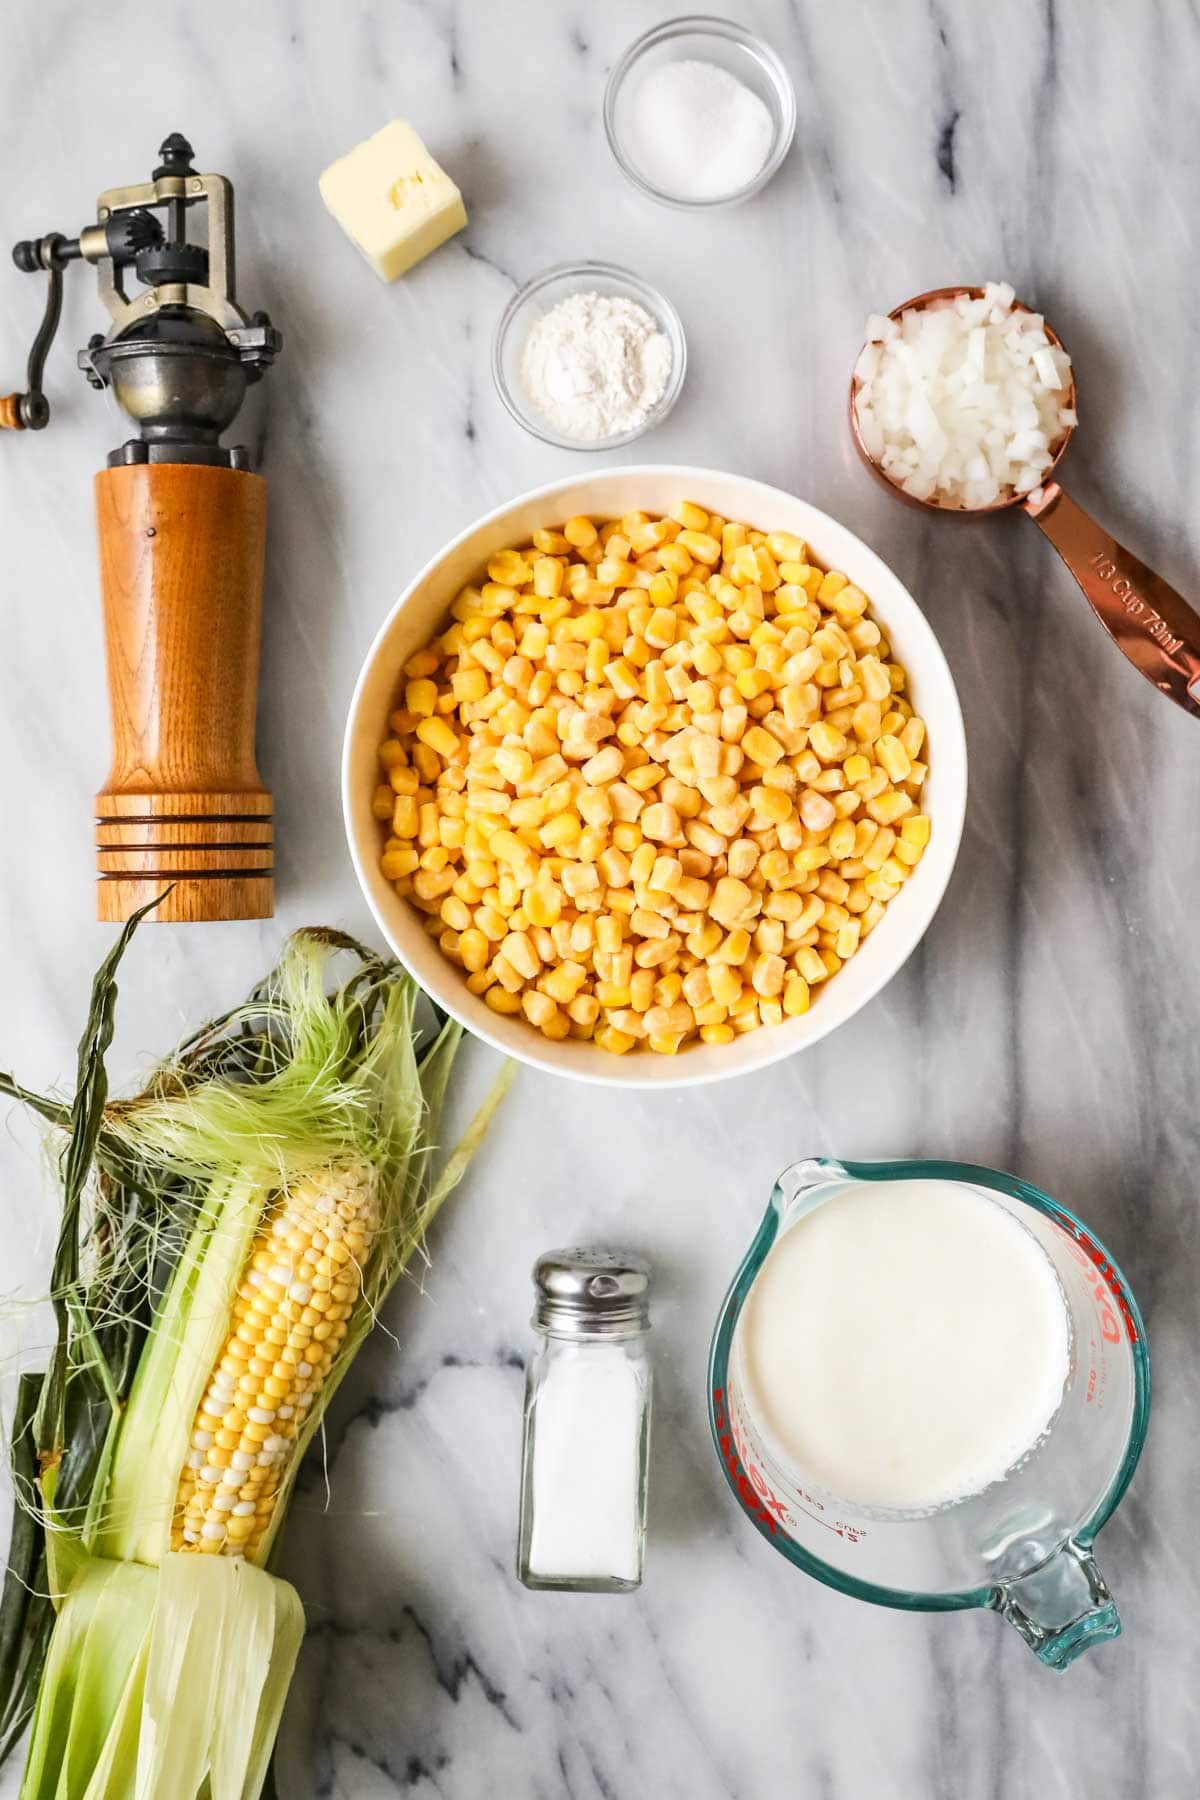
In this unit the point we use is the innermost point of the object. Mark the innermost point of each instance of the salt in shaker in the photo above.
(587, 1424)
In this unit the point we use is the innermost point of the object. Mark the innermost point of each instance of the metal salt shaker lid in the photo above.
(589, 1292)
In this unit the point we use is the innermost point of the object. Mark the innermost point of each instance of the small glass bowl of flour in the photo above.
(699, 113)
(589, 357)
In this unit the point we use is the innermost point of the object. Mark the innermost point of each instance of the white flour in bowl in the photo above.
(595, 366)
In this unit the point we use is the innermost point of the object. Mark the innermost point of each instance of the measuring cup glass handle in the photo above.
(1062, 1608)
(1146, 619)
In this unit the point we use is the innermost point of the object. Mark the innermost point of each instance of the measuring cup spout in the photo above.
(803, 1178)
(1062, 1608)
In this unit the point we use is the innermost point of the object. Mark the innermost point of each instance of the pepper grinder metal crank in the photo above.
(182, 532)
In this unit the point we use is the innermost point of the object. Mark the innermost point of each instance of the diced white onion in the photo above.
(959, 402)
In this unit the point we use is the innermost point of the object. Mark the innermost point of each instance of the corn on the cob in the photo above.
(250, 1211)
(298, 1288)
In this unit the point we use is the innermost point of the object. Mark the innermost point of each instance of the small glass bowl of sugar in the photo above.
(699, 113)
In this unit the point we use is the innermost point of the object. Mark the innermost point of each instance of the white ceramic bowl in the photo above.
(606, 494)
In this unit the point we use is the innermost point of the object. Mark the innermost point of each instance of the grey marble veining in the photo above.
(1047, 1024)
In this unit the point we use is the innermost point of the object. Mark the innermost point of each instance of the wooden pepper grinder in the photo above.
(182, 531)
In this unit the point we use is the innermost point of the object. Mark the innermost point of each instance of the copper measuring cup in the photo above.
(1149, 622)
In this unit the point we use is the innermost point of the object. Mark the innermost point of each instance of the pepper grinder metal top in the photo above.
(182, 529)
(180, 354)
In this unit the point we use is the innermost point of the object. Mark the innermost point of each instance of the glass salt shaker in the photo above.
(587, 1424)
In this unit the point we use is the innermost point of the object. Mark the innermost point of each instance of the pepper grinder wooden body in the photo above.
(181, 570)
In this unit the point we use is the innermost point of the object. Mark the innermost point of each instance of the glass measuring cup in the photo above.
(1023, 1545)
(1151, 623)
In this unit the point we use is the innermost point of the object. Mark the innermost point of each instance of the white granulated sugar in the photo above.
(696, 132)
(595, 366)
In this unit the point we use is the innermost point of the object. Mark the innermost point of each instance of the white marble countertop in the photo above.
(1047, 1025)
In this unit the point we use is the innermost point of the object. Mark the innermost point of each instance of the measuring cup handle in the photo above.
(1147, 620)
(1062, 1608)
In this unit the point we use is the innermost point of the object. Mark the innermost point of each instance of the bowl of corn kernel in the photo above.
(654, 776)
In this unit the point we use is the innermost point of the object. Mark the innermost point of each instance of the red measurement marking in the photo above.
(742, 1484)
(755, 1492)
(1091, 1255)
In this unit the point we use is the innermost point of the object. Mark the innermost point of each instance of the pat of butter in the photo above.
(392, 200)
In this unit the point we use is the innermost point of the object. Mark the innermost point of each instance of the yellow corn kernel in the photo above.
(867, 721)
(405, 816)
(876, 682)
(761, 747)
(420, 697)
(580, 532)
(847, 938)
(424, 662)
(700, 545)
(438, 736)
(660, 821)
(889, 807)
(717, 1034)
(893, 756)
(563, 829)
(501, 1000)
(538, 1008)
(841, 839)
(771, 805)
(584, 1009)
(827, 742)
(767, 975)
(641, 984)
(474, 950)
(396, 864)
(455, 913)
(810, 966)
(564, 982)
(673, 557)
(614, 1041)
(725, 982)
(796, 997)
(913, 736)
(732, 901)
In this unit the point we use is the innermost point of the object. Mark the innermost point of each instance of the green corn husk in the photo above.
(161, 1674)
